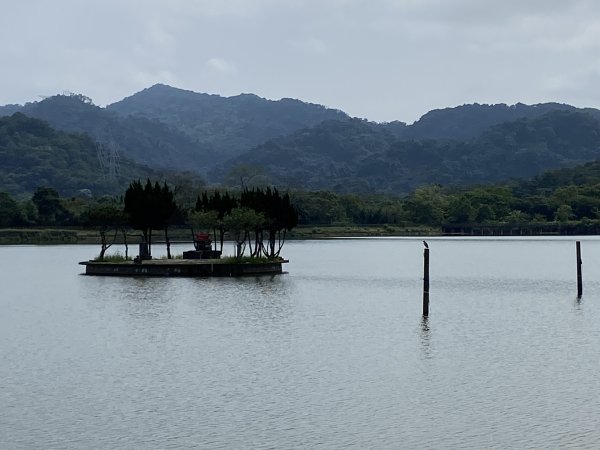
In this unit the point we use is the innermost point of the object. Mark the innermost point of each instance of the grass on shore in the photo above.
(112, 258)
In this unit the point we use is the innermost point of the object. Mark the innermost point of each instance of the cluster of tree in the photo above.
(434, 206)
(256, 219)
(151, 207)
(556, 196)
(45, 207)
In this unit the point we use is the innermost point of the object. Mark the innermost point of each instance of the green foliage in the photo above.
(10, 213)
(240, 220)
(322, 207)
(428, 205)
(50, 209)
(204, 220)
(104, 216)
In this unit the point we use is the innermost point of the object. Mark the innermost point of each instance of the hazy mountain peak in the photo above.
(468, 121)
(228, 125)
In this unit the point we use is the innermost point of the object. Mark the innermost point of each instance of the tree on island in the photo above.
(280, 217)
(150, 207)
(104, 218)
(240, 222)
(259, 217)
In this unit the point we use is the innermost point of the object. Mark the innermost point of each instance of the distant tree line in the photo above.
(258, 219)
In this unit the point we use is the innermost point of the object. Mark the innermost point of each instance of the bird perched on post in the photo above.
(425, 244)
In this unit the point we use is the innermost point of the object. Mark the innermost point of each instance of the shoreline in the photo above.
(78, 236)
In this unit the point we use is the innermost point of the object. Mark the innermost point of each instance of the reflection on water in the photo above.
(335, 353)
(425, 335)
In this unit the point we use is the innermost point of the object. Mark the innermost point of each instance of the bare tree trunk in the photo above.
(103, 246)
(168, 243)
(254, 246)
(272, 243)
(125, 242)
(281, 241)
(104, 243)
(240, 240)
(259, 240)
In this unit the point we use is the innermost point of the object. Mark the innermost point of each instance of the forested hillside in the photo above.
(33, 154)
(358, 156)
(148, 142)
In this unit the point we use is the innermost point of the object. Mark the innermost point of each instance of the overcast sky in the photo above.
(382, 60)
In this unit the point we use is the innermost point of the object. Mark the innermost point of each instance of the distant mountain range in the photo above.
(303, 145)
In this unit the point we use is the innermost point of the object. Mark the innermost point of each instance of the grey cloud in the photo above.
(380, 59)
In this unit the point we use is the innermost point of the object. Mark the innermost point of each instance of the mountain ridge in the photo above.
(228, 125)
(305, 145)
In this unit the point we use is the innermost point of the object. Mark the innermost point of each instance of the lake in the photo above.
(333, 354)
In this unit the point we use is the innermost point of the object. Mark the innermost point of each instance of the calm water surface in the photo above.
(333, 354)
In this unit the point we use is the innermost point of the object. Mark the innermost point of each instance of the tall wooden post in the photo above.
(579, 277)
(426, 282)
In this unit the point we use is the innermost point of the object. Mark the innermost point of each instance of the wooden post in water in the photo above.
(579, 277)
(426, 280)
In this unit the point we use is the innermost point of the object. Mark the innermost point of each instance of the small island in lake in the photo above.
(194, 263)
(256, 221)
